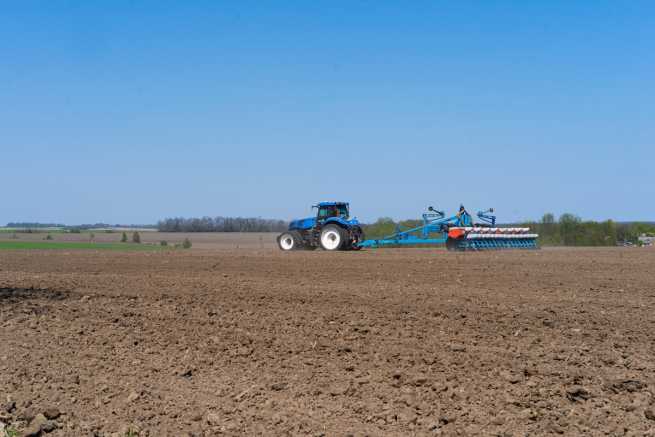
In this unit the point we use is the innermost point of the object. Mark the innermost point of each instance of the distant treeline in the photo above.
(221, 224)
(34, 225)
(571, 230)
(568, 230)
(107, 225)
(385, 226)
(86, 226)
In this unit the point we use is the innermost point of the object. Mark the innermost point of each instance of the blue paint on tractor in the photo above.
(333, 219)
(302, 224)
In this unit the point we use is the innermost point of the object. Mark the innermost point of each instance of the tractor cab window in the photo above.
(325, 212)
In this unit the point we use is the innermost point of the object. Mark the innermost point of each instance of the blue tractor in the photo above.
(331, 229)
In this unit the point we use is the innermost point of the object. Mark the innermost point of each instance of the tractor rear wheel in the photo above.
(332, 237)
(289, 241)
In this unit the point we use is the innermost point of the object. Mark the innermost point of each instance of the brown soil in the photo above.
(387, 342)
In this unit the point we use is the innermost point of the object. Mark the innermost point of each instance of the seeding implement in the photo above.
(332, 229)
(459, 232)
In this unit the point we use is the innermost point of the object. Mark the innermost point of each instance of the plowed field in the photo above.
(389, 342)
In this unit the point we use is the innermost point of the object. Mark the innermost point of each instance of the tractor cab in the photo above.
(327, 210)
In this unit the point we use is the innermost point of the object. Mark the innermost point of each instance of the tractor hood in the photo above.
(302, 224)
(309, 222)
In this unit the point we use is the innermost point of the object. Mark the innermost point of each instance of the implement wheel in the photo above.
(451, 244)
(332, 237)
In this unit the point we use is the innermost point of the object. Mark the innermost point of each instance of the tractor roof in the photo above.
(320, 204)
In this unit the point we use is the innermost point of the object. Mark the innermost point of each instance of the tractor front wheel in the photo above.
(288, 241)
(332, 237)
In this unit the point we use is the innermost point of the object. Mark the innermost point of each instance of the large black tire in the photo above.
(333, 237)
(451, 244)
(290, 240)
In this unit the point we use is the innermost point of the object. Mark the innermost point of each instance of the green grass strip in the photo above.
(70, 245)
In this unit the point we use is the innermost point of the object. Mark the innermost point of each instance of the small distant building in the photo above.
(646, 240)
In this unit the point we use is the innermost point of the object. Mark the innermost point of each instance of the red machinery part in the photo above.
(456, 233)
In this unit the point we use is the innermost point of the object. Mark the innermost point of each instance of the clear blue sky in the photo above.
(131, 111)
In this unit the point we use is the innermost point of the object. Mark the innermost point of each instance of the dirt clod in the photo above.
(38, 425)
(278, 386)
(578, 393)
(52, 413)
(626, 385)
(9, 406)
(213, 419)
(27, 414)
